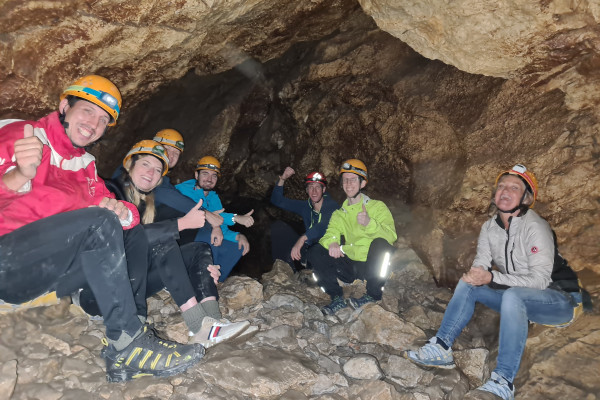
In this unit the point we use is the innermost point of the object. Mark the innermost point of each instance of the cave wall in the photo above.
(264, 84)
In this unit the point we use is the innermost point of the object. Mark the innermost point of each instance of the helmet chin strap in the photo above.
(512, 210)
(356, 195)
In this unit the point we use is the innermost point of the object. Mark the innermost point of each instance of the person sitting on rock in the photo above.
(169, 200)
(227, 246)
(357, 243)
(61, 229)
(286, 243)
(517, 272)
(186, 272)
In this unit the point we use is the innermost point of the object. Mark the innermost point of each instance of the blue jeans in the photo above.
(517, 306)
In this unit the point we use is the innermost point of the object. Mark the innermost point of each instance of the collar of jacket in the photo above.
(365, 200)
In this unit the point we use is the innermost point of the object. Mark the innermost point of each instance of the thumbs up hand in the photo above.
(28, 153)
(363, 216)
(245, 219)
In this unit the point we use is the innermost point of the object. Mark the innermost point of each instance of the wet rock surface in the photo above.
(294, 352)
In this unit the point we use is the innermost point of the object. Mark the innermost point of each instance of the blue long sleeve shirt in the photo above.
(211, 202)
(315, 222)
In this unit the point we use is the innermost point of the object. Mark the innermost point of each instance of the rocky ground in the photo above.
(52, 353)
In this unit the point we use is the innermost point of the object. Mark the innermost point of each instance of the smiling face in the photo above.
(315, 192)
(207, 179)
(173, 155)
(352, 184)
(509, 192)
(145, 172)
(86, 122)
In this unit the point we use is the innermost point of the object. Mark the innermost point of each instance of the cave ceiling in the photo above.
(435, 96)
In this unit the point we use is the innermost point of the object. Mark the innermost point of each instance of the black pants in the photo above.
(327, 269)
(181, 270)
(283, 238)
(68, 251)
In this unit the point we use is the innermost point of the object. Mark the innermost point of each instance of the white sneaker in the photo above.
(214, 332)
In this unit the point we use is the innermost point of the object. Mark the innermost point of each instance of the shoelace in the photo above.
(431, 350)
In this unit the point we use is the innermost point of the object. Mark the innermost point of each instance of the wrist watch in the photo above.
(233, 218)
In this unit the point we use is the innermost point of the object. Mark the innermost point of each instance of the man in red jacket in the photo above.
(61, 229)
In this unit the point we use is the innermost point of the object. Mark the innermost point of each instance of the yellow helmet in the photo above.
(149, 147)
(97, 90)
(210, 163)
(356, 167)
(528, 178)
(170, 137)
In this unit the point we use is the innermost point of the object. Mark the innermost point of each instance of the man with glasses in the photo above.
(357, 243)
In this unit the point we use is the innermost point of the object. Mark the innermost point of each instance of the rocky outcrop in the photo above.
(294, 352)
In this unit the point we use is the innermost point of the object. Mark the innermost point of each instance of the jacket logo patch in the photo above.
(91, 187)
(534, 249)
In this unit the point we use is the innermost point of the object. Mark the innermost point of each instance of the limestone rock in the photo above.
(259, 371)
(406, 373)
(239, 292)
(8, 379)
(376, 325)
(363, 366)
(475, 364)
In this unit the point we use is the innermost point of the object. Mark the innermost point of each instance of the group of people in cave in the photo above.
(109, 245)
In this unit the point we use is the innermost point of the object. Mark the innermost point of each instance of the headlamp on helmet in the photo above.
(356, 167)
(170, 137)
(528, 178)
(209, 163)
(316, 177)
(149, 147)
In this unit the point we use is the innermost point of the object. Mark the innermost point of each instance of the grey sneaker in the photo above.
(358, 303)
(337, 304)
(149, 355)
(499, 386)
(214, 332)
(432, 354)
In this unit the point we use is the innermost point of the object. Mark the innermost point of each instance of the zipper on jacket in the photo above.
(506, 246)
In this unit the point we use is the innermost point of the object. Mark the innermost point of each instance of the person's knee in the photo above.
(512, 299)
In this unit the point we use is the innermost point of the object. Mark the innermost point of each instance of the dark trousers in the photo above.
(226, 255)
(182, 271)
(327, 269)
(283, 238)
(68, 251)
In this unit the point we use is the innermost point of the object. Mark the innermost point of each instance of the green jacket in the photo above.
(358, 238)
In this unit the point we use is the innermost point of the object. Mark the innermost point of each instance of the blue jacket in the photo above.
(315, 223)
(211, 202)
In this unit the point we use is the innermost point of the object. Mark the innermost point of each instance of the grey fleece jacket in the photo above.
(523, 254)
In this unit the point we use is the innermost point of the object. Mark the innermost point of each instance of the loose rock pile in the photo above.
(294, 352)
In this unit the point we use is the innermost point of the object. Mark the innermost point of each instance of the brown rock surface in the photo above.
(266, 84)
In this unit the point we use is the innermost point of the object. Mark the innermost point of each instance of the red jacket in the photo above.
(66, 179)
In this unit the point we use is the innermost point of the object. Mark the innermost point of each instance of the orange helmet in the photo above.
(97, 90)
(170, 137)
(356, 167)
(210, 163)
(149, 147)
(526, 176)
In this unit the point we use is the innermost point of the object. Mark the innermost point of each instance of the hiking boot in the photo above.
(337, 304)
(499, 386)
(433, 354)
(148, 355)
(358, 303)
(214, 331)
